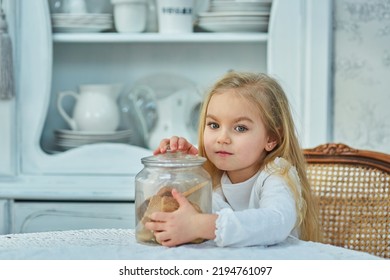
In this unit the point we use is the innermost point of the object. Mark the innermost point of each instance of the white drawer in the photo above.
(50, 216)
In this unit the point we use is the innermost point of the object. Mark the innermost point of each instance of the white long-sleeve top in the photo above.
(259, 211)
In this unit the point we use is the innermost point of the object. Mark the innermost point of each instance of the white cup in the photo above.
(130, 15)
(75, 6)
(175, 16)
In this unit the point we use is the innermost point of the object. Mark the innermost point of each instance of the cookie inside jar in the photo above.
(154, 184)
(162, 201)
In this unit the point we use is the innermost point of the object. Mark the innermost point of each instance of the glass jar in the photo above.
(153, 185)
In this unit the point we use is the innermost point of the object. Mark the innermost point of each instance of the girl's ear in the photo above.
(271, 144)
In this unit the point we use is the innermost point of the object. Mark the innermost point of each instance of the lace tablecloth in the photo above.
(120, 244)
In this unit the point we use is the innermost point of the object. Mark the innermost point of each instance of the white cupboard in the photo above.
(93, 185)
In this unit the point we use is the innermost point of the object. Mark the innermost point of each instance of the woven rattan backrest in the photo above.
(353, 188)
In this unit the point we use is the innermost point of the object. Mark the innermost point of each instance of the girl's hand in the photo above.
(176, 143)
(178, 227)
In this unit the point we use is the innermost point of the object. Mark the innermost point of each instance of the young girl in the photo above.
(261, 193)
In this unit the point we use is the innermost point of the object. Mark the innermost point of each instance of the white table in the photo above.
(120, 244)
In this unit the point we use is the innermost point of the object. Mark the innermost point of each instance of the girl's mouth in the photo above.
(224, 153)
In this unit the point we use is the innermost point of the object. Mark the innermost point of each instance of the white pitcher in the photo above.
(96, 108)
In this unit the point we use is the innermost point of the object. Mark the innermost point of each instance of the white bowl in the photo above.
(130, 15)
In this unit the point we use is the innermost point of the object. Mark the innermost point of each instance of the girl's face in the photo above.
(235, 138)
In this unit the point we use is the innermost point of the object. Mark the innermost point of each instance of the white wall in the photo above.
(362, 73)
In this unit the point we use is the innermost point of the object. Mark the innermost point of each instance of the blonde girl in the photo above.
(261, 192)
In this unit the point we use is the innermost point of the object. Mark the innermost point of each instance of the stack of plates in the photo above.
(68, 139)
(81, 22)
(236, 16)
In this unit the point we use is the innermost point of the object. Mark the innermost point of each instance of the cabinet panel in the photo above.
(4, 216)
(7, 106)
(7, 138)
(51, 216)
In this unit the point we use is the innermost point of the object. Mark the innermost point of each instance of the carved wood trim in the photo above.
(334, 149)
(341, 153)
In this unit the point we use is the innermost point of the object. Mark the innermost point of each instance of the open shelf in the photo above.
(156, 37)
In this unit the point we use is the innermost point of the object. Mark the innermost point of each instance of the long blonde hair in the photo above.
(269, 97)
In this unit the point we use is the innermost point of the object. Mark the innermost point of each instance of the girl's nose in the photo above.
(223, 138)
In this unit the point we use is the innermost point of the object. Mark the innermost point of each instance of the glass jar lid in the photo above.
(173, 159)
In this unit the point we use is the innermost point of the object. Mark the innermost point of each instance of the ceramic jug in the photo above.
(95, 109)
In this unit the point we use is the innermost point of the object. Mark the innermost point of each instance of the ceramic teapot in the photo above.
(95, 109)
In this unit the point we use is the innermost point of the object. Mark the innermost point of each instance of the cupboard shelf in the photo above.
(159, 38)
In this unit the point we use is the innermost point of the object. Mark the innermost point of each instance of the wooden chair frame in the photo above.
(341, 153)
(353, 189)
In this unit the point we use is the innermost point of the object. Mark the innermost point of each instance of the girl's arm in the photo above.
(183, 225)
(269, 220)
(176, 143)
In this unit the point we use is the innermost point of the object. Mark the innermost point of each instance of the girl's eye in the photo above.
(241, 128)
(213, 125)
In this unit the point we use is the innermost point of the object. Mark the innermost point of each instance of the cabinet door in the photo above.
(4, 217)
(7, 107)
(52, 216)
(7, 138)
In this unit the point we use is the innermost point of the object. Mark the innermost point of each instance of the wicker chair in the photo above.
(353, 188)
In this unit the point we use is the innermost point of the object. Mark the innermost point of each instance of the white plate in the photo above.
(81, 143)
(80, 29)
(236, 16)
(67, 139)
(233, 19)
(238, 26)
(90, 141)
(234, 7)
(87, 15)
(82, 19)
(65, 147)
(234, 13)
(81, 23)
(87, 140)
(73, 134)
(242, 1)
(78, 23)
